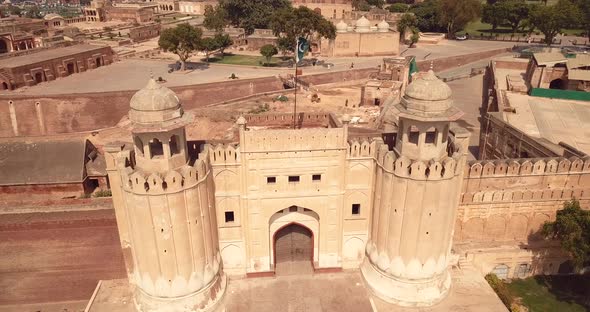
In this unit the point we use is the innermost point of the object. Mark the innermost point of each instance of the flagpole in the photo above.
(295, 100)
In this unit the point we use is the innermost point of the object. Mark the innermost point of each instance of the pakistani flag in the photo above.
(302, 47)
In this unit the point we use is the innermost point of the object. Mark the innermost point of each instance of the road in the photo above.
(57, 260)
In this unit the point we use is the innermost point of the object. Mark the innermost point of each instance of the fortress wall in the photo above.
(509, 200)
(34, 115)
(445, 63)
(66, 113)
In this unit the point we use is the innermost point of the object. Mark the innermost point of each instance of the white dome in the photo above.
(341, 27)
(363, 25)
(383, 26)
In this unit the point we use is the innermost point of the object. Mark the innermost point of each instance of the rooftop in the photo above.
(43, 162)
(552, 119)
(47, 55)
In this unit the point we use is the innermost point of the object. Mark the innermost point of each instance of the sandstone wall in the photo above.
(509, 200)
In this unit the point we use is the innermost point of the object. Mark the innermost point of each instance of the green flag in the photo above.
(302, 47)
(413, 67)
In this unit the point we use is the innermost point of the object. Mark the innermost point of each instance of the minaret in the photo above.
(165, 206)
(418, 184)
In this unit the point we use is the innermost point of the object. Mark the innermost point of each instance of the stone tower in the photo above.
(164, 200)
(418, 184)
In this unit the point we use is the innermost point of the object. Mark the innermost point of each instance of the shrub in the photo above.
(103, 193)
(259, 109)
(501, 289)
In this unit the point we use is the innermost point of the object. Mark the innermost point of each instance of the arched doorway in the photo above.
(293, 246)
(4, 86)
(39, 77)
(98, 62)
(70, 68)
(557, 84)
(3, 46)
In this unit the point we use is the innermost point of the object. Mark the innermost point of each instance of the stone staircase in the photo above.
(464, 263)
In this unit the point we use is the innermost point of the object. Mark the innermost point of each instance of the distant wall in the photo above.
(22, 115)
(31, 115)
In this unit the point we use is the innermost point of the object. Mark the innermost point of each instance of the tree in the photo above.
(268, 51)
(182, 40)
(223, 42)
(33, 12)
(572, 228)
(376, 3)
(584, 9)
(250, 14)
(208, 45)
(550, 20)
(456, 14)
(292, 23)
(428, 15)
(515, 11)
(415, 36)
(493, 14)
(398, 8)
(285, 45)
(215, 18)
(407, 21)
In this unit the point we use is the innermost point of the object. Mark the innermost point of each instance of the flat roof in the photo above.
(46, 55)
(555, 120)
(545, 58)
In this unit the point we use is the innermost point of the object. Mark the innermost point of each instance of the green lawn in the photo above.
(552, 293)
(248, 60)
(477, 28)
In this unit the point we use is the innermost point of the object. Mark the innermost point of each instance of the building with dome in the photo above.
(190, 213)
(361, 38)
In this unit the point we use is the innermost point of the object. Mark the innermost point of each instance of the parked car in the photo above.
(461, 37)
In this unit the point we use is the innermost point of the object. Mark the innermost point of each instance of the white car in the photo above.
(461, 37)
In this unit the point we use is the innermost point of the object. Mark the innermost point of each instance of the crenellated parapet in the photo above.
(523, 167)
(404, 167)
(358, 148)
(223, 154)
(188, 176)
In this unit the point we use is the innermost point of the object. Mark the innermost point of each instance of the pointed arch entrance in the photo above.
(294, 240)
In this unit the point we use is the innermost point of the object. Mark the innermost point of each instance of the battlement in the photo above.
(359, 148)
(525, 167)
(278, 140)
(139, 182)
(417, 169)
(223, 154)
(304, 120)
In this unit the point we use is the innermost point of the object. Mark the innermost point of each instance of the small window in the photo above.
(229, 216)
(293, 178)
(156, 149)
(271, 180)
(173, 144)
(431, 135)
(293, 209)
(316, 177)
(356, 209)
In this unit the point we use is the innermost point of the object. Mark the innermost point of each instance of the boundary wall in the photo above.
(32, 115)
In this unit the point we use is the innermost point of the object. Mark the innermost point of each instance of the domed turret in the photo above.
(341, 27)
(429, 97)
(363, 25)
(383, 26)
(155, 104)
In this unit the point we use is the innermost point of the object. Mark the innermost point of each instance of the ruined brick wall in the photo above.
(67, 189)
(509, 200)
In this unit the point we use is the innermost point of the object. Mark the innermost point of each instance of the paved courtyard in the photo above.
(131, 74)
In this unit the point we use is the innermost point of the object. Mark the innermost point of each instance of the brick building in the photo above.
(47, 65)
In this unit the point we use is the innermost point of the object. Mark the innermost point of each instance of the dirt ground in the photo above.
(52, 257)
